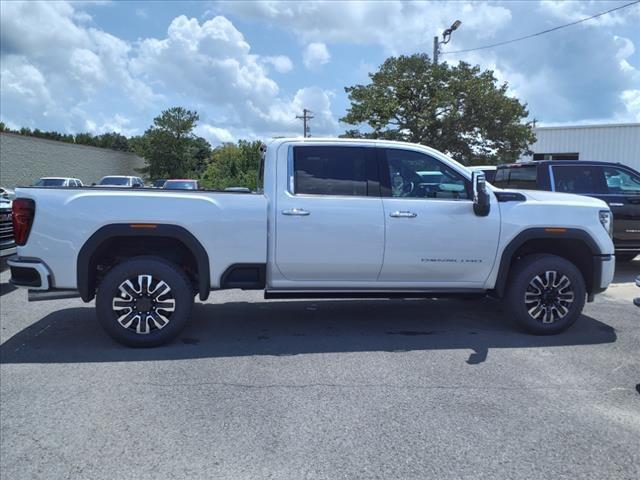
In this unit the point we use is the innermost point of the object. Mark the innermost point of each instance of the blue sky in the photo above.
(249, 67)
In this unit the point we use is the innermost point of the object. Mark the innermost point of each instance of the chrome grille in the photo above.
(6, 229)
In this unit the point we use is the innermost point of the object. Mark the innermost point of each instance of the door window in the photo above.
(578, 179)
(330, 170)
(417, 175)
(621, 181)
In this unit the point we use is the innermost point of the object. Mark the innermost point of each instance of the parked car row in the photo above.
(122, 181)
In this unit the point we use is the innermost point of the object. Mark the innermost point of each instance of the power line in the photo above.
(542, 32)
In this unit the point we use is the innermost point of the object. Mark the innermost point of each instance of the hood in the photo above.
(561, 198)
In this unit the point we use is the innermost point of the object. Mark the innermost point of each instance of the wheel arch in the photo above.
(573, 244)
(86, 263)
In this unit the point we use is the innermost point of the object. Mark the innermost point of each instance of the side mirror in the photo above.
(481, 205)
(93, 184)
(137, 185)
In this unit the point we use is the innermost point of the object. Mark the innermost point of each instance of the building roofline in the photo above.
(593, 125)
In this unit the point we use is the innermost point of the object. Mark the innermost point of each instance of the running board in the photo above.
(470, 293)
(54, 294)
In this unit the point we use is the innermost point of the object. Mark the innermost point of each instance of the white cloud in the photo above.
(215, 135)
(212, 61)
(571, 11)
(631, 100)
(60, 66)
(66, 76)
(397, 26)
(280, 63)
(316, 55)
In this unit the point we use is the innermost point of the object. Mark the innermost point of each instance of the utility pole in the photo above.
(446, 36)
(305, 117)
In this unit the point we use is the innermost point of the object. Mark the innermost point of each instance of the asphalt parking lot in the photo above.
(406, 389)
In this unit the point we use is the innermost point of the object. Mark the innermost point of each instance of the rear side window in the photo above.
(502, 178)
(578, 179)
(621, 181)
(523, 177)
(330, 170)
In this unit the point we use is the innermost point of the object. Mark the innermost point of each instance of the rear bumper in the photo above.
(29, 273)
(604, 267)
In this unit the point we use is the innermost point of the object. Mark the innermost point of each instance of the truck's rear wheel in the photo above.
(144, 302)
(546, 294)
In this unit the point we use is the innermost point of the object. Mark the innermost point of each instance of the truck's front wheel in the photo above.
(546, 294)
(144, 302)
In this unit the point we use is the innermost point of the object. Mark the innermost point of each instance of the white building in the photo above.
(618, 143)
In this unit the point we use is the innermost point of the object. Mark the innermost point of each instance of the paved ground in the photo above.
(325, 389)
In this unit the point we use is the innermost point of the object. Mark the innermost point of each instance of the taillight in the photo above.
(23, 211)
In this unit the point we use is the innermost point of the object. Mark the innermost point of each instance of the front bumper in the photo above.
(604, 268)
(29, 273)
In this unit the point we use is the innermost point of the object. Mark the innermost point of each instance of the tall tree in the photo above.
(169, 147)
(457, 109)
(233, 165)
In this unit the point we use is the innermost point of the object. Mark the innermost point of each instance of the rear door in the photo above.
(623, 197)
(329, 220)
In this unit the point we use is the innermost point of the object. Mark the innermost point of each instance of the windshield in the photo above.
(50, 182)
(114, 181)
(180, 185)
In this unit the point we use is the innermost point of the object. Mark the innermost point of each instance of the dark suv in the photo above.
(616, 184)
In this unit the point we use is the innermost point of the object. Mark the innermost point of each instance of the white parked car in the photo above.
(332, 218)
(58, 182)
(120, 181)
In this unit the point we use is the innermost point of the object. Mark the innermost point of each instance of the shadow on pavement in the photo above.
(298, 327)
(6, 288)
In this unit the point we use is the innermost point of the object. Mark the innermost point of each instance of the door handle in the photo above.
(299, 212)
(615, 204)
(403, 214)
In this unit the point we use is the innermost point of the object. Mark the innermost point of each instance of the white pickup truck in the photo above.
(332, 218)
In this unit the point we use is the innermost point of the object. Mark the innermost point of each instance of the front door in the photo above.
(329, 220)
(432, 235)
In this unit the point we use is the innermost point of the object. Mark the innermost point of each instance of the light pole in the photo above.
(446, 36)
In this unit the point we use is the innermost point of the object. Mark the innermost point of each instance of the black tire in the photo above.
(162, 321)
(552, 312)
(625, 257)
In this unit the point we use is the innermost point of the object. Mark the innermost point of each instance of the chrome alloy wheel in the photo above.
(549, 296)
(144, 304)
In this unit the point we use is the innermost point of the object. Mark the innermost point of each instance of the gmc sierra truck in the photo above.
(331, 218)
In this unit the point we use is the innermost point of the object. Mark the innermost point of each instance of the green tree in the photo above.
(169, 147)
(457, 109)
(233, 165)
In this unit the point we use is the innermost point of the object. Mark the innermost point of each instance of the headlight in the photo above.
(606, 219)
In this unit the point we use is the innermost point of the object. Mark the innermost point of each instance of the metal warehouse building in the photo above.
(618, 143)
